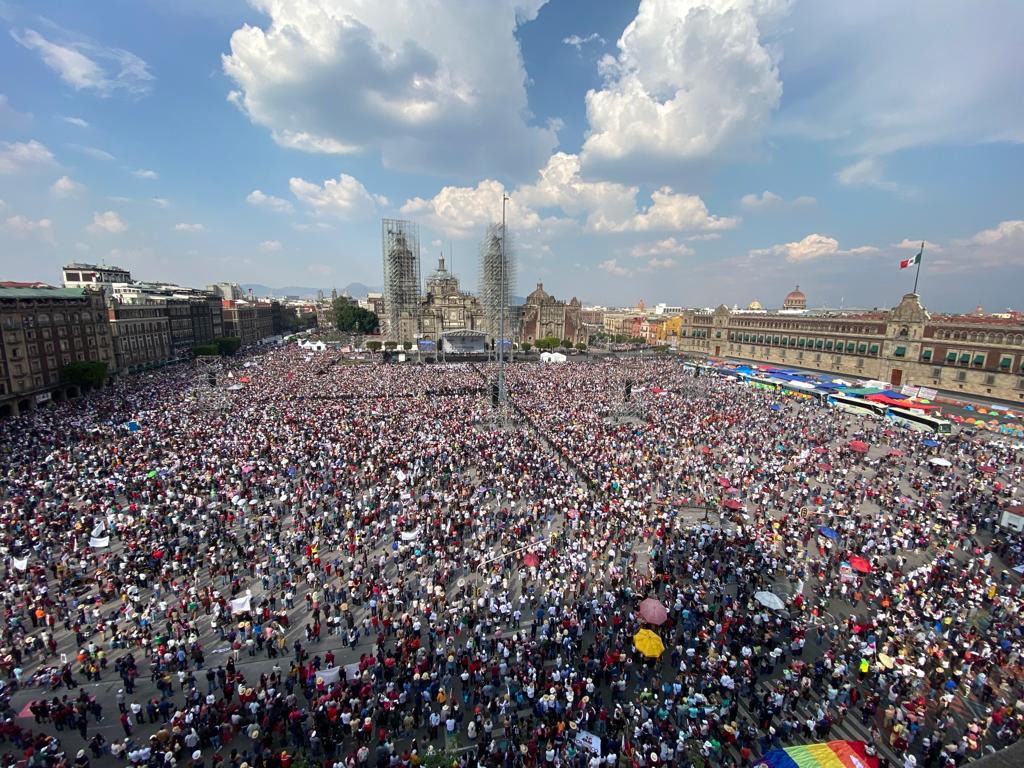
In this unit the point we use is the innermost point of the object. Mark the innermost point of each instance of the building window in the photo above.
(990, 380)
(951, 356)
(936, 373)
(965, 357)
(862, 348)
(1005, 362)
(900, 351)
(926, 355)
(979, 359)
(961, 375)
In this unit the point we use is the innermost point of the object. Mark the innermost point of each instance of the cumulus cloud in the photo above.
(66, 187)
(145, 173)
(434, 86)
(1004, 232)
(811, 248)
(75, 121)
(18, 156)
(667, 247)
(88, 66)
(106, 222)
(603, 206)
(612, 267)
(184, 227)
(770, 200)
(578, 42)
(23, 226)
(260, 200)
(691, 78)
(906, 244)
(344, 197)
(269, 246)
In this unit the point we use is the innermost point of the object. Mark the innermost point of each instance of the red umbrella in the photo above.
(705, 450)
(895, 452)
(859, 446)
(821, 449)
(724, 482)
(732, 504)
(858, 563)
(988, 469)
(825, 467)
(653, 612)
(530, 560)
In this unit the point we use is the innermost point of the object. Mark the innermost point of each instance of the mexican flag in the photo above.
(911, 262)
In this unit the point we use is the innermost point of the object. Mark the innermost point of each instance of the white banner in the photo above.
(98, 530)
(352, 671)
(241, 604)
(927, 394)
(410, 535)
(97, 542)
(910, 391)
(330, 675)
(587, 740)
(21, 564)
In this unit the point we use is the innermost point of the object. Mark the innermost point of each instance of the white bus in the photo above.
(919, 420)
(857, 405)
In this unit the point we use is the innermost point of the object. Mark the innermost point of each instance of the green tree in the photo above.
(228, 346)
(373, 346)
(85, 374)
(566, 344)
(390, 345)
(206, 350)
(349, 317)
(406, 345)
(527, 346)
(581, 346)
(548, 342)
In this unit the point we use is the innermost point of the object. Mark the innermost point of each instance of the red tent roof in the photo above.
(901, 403)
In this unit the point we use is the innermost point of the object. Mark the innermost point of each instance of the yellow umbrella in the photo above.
(648, 643)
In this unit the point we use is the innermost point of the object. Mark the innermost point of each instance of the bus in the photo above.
(857, 405)
(919, 420)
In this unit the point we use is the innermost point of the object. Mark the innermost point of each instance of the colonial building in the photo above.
(141, 330)
(448, 308)
(240, 320)
(43, 329)
(544, 316)
(905, 345)
(99, 276)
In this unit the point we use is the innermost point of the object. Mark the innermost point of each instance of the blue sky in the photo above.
(686, 151)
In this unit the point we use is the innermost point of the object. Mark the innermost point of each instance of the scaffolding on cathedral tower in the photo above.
(497, 281)
(400, 247)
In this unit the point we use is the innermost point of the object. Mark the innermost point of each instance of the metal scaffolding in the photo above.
(497, 281)
(209, 392)
(400, 247)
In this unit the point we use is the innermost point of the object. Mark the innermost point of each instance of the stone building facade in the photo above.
(544, 316)
(972, 355)
(43, 329)
(448, 308)
(141, 331)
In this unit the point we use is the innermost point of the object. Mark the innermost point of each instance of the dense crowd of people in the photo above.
(359, 565)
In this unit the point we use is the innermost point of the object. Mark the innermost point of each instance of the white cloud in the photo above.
(344, 197)
(906, 244)
(270, 246)
(87, 66)
(162, 202)
(666, 247)
(705, 236)
(95, 152)
(276, 204)
(811, 248)
(691, 78)
(75, 121)
(578, 42)
(612, 267)
(604, 206)
(184, 227)
(11, 118)
(430, 86)
(17, 156)
(145, 173)
(1004, 232)
(66, 187)
(108, 221)
(23, 226)
(866, 172)
(770, 200)
(664, 262)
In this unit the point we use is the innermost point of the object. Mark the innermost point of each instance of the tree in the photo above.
(85, 374)
(373, 346)
(406, 345)
(229, 345)
(548, 342)
(581, 346)
(527, 346)
(566, 344)
(390, 345)
(205, 350)
(349, 317)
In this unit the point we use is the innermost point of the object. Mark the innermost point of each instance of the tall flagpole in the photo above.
(920, 256)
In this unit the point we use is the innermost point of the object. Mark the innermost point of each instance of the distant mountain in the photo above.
(359, 291)
(301, 291)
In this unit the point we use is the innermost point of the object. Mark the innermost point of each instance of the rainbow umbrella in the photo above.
(832, 754)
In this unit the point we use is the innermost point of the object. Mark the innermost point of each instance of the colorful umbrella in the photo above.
(988, 469)
(858, 563)
(930, 443)
(530, 560)
(648, 643)
(732, 504)
(151, 473)
(653, 612)
(825, 466)
(769, 600)
(821, 449)
(859, 446)
(895, 452)
(724, 482)
(832, 533)
(832, 754)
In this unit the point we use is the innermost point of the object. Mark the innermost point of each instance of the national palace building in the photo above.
(977, 354)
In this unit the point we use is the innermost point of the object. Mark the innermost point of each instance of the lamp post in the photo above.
(502, 394)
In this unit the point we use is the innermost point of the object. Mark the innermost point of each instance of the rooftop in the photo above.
(11, 290)
(81, 265)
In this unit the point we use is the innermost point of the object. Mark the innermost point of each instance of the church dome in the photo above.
(795, 299)
(755, 305)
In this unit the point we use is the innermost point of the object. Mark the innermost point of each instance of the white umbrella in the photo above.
(769, 600)
(938, 461)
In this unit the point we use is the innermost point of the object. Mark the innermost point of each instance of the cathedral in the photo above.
(446, 308)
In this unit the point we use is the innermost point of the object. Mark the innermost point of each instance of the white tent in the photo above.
(552, 357)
